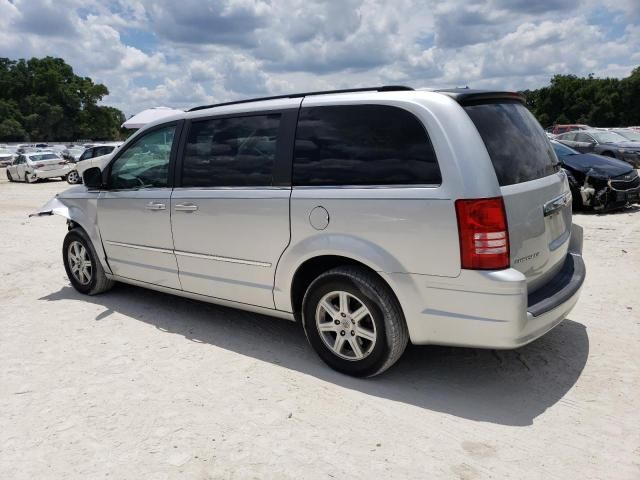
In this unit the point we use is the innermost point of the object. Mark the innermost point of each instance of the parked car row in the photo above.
(31, 167)
(27, 162)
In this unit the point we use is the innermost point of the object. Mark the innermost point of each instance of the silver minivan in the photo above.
(374, 217)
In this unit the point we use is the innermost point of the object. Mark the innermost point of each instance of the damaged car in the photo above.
(598, 182)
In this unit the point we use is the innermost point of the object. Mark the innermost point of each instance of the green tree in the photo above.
(43, 99)
(599, 102)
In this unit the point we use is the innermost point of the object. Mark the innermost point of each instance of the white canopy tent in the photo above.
(149, 115)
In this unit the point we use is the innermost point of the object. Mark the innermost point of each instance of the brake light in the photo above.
(39, 165)
(483, 233)
(63, 163)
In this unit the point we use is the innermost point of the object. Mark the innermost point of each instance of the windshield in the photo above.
(43, 156)
(562, 150)
(607, 137)
(629, 135)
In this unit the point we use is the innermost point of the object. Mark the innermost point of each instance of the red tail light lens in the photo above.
(39, 165)
(63, 163)
(483, 233)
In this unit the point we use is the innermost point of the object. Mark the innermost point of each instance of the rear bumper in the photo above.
(488, 309)
(58, 172)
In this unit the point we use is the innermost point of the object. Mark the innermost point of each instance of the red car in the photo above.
(558, 129)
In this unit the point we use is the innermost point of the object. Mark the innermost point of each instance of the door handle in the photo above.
(556, 204)
(186, 207)
(155, 206)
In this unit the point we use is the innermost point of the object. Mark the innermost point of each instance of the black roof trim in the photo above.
(384, 88)
(466, 96)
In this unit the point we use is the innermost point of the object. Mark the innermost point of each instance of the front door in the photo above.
(230, 216)
(134, 213)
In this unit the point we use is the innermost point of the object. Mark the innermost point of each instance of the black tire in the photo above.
(392, 335)
(9, 177)
(72, 175)
(99, 282)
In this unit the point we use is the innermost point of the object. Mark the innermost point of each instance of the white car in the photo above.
(96, 156)
(34, 166)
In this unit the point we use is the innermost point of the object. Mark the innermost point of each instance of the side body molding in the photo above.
(78, 205)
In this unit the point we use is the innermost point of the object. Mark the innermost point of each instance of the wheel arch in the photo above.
(79, 213)
(328, 251)
(313, 267)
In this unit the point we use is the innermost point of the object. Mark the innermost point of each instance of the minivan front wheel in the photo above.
(82, 265)
(354, 322)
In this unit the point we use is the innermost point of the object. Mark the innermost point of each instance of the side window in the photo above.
(581, 137)
(569, 136)
(145, 163)
(85, 155)
(100, 151)
(362, 145)
(231, 152)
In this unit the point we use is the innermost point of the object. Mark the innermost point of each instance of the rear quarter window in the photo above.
(362, 145)
(519, 149)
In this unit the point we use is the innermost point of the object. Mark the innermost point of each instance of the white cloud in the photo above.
(191, 52)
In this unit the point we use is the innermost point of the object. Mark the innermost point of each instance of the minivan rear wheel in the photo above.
(354, 322)
(82, 265)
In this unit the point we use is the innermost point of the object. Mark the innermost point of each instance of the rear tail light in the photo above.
(39, 165)
(483, 233)
(63, 163)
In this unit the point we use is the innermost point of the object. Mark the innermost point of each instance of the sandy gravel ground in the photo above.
(134, 384)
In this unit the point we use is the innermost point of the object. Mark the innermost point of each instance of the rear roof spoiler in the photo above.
(466, 96)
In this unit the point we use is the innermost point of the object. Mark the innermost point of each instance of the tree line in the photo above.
(599, 102)
(42, 99)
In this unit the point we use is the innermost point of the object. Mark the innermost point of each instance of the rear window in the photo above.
(362, 145)
(44, 156)
(519, 149)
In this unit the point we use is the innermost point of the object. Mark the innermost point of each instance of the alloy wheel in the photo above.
(346, 325)
(80, 262)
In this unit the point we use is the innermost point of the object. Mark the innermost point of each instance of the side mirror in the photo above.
(92, 178)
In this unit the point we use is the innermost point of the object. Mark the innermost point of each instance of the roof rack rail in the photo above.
(384, 88)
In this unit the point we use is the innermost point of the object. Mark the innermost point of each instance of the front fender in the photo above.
(349, 246)
(80, 206)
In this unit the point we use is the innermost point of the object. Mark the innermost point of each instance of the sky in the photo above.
(184, 53)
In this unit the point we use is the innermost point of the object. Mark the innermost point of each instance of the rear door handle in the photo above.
(156, 206)
(186, 207)
(556, 204)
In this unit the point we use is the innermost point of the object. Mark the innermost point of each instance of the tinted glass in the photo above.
(86, 155)
(99, 151)
(231, 152)
(145, 163)
(362, 145)
(519, 149)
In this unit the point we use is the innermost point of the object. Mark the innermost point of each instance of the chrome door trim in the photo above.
(138, 247)
(186, 207)
(217, 258)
